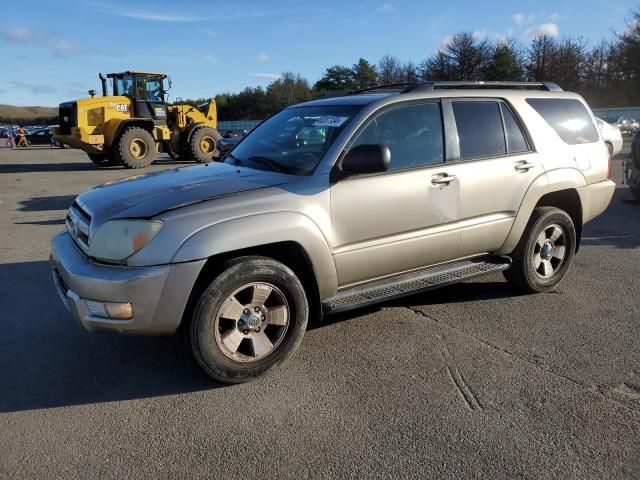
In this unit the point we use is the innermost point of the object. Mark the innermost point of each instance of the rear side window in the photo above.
(516, 142)
(479, 129)
(569, 118)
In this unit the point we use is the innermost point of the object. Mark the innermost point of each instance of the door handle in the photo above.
(442, 179)
(523, 166)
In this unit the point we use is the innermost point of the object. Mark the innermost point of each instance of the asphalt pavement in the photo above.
(468, 381)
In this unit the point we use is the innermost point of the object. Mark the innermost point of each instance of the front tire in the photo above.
(136, 148)
(545, 252)
(249, 320)
(203, 145)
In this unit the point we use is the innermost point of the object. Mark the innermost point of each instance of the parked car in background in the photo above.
(43, 136)
(628, 126)
(632, 168)
(230, 139)
(611, 135)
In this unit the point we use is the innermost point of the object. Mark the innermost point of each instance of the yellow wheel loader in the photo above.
(133, 124)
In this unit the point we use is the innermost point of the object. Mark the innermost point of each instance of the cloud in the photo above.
(223, 12)
(160, 17)
(523, 19)
(518, 18)
(550, 29)
(266, 76)
(479, 34)
(60, 48)
(263, 56)
(64, 49)
(33, 88)
(17, 35)
(211, 33)
(205, 57)
(386, 8)
(554, 16)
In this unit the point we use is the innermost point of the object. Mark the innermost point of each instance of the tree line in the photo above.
(606, 74)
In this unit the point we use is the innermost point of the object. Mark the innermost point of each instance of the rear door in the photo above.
(494, 168)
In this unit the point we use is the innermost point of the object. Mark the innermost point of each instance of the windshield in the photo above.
(294, 140)
(140, 87)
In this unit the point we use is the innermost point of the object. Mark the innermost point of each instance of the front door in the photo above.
(398, 220)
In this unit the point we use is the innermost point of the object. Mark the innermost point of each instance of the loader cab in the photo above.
(146, 91)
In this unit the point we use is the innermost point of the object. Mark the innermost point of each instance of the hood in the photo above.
(144, 196)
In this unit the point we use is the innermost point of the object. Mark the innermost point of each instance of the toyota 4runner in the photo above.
(334, 204)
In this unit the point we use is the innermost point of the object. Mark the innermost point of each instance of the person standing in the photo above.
(11, 143)
(22, 137)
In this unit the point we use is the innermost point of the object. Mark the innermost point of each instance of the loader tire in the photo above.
(136, 148)
(203, 146)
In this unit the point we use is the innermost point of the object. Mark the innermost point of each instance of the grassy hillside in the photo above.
(8, 112)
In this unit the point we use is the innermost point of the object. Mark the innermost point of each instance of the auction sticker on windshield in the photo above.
(330, 121)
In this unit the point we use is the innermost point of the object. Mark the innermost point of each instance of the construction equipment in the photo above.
(133, 124)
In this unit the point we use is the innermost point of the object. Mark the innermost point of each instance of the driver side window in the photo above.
(413, 133)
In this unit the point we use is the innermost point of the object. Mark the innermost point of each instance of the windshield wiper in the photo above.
(269, 162)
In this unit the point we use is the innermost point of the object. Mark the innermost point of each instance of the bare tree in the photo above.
(389, 70)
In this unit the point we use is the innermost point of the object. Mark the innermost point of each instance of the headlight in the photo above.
(116, 240)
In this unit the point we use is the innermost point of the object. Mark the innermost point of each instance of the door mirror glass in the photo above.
(366, 159)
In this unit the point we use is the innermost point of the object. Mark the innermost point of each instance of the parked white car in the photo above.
(611, 135)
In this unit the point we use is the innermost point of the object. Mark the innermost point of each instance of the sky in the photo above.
(52, 50)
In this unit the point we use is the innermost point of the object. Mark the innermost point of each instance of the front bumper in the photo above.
(158, 294)
(81, 139)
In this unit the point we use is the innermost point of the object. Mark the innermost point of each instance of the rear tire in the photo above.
(248, 320)
(544, 254)
(610, 150)
(203, 145)
(136, 148)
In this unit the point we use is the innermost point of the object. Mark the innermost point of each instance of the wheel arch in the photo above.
(119, 129)
(289, 253)
(557, 188)
(266, 234)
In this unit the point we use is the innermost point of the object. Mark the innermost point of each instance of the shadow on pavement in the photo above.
(43, 204)
(617, 226)
(47, 360)
(59, 221)
(45, 167)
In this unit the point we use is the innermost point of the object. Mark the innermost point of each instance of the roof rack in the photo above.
(549, 86)
(387, 86)
(407, 87)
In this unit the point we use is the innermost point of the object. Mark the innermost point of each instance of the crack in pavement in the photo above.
(591, 388)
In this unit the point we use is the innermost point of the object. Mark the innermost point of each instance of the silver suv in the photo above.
(334, 204)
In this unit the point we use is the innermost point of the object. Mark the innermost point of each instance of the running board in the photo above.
(413, 282)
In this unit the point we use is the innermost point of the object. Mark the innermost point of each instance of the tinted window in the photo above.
(516, 142)
(479, 129)
(413, 133)
(569, 118)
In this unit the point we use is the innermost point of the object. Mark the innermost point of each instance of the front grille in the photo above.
(78, 225)
(67, 113)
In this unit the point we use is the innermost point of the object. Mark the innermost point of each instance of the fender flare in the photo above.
(261, 230)
(551, 181)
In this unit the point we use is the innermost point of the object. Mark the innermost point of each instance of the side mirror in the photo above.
(366, 159)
